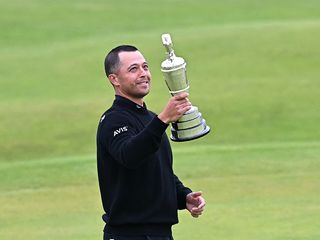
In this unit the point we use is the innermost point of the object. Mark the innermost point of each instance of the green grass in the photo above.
(253, 68)
(253, 191)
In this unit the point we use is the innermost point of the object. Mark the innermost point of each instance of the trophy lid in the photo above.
(172, 62)
(175, 63)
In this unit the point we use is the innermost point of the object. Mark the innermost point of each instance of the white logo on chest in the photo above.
(120, 130)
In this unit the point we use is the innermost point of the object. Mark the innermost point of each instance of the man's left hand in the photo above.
(195, 203)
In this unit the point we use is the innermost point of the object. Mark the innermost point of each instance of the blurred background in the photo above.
(253, 68)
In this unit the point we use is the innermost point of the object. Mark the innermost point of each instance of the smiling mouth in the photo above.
(143, 82)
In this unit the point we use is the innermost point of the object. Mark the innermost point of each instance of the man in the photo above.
(140, 193)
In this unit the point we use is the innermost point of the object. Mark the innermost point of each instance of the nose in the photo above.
(143, 71)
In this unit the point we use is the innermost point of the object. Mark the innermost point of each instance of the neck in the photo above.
(138, 101)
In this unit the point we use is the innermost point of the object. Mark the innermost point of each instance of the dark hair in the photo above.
(111, 62)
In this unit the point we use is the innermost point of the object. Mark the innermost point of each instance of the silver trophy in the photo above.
(191, 125)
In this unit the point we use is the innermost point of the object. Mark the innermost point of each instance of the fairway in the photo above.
(253, 191)
(253, 69)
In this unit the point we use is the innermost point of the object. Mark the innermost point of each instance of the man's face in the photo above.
(132, 79)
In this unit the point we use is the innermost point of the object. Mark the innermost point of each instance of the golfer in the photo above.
(140, 192)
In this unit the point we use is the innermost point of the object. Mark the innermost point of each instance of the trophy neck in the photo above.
(171, 55)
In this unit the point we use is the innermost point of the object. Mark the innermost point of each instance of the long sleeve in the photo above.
(182, 192)
(127, 145)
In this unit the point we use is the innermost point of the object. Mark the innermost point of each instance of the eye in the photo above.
(133, 69)
(145, 67)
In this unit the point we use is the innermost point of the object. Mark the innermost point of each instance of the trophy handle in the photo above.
(167, 43)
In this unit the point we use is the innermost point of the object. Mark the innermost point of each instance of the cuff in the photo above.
(157, 127)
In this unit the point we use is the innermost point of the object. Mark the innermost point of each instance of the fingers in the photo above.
(197, 203)
(196, 212)
(200, 207)
(182, 95)
(202, 204)
(182, 103)
(196, 194)
(194, 197)
(181, 98)
(175, 108)
(183, 107)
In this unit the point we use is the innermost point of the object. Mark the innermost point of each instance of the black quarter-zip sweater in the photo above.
(139, 190)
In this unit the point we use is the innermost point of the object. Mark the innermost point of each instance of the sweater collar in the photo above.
(126, 103)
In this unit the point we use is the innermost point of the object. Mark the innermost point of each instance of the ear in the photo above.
(113, 79)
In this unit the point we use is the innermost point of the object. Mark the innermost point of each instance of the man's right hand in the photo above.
(176, 107)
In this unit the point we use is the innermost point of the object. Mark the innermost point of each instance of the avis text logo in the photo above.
(120, 130)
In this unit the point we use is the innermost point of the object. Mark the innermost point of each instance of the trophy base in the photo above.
(189, 127)
(174, 137)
